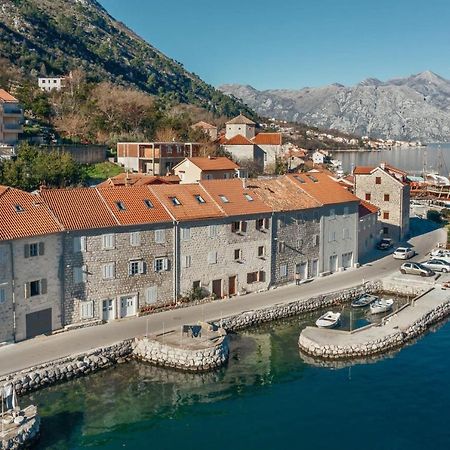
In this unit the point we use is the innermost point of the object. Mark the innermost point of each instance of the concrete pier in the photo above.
(395, 330)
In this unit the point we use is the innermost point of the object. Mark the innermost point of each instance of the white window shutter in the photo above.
(84, 273)
(166, 264)
(141, 267)
(83, 242)
(27, 290)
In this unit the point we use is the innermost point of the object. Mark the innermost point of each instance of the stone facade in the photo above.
(391, 196)
(108, 287)
(368, 234)
(223, 261)
(6, 293)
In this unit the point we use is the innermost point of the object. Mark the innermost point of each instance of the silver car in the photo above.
(404, 253)
(414, 268)
(437, 265)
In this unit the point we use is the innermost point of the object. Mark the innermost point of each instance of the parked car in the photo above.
(404, 253)
(438, 265)
(416, 269)
(441, 253)
(385, 244)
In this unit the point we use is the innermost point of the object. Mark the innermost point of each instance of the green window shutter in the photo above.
(26, 249)
(41, 248)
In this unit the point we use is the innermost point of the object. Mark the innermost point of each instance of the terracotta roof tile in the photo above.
(267, 139)
(214, 163)
(240, 199)
(7, 97)
(138, 179)
(366, 208)
(363, 170)
(189, 207)
(134, 205)
(23, 215)
(237, 140)
(241, 119)
(80, 208)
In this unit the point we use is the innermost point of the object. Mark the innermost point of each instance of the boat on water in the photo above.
(381, 305)
(328, 320)
(364, 300)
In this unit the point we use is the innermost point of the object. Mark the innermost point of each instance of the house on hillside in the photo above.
(387, 188)
(193, 170)
(320, 157)
(207, 128)
(11, 119)
(48, 84)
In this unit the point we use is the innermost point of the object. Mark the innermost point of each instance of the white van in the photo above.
(441, 253)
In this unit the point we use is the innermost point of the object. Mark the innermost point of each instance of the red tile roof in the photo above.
(366, 208)
(363, 170)
(134, 205)
(138, 179)
(189, 208)
(7, 97)
(214, 163)
(267, 139)
(23, 215)
(237, 140)
(80, 208)
(241, 198)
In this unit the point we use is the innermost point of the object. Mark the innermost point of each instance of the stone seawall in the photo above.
(375, 346)
(190, 359)
(23, 435)
(250, 318)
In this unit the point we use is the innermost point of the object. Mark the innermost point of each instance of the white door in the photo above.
(347, 260)
(108, 310)
(315, 268)
(128, 306)
(302, 270)
(333, 263)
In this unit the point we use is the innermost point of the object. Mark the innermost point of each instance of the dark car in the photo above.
(384, 244)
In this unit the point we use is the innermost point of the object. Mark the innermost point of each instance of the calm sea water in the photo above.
(267, 397)
(435, 158)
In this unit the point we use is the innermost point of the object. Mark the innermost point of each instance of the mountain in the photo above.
(413, 108)
(55, 36)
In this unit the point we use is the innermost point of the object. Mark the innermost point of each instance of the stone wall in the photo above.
(194, 360)
(25, 434)
(250, 318)
(6, 286)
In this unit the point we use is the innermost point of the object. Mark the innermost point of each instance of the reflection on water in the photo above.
(411, 159)
(267, 394)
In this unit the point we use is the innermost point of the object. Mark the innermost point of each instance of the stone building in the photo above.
(369, 228)
(11, 119)
(386, 188)
(30, 267)
(118, 251)
(207, 128)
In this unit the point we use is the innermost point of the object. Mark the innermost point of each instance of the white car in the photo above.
(437, 265)
(441, 253)
(403, 253)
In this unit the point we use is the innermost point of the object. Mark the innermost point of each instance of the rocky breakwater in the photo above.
(19, 429)
(397, 330)
(68, 368)
(297, 307)
(197, 348)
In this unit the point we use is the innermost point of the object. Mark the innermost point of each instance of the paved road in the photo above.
(29, 353)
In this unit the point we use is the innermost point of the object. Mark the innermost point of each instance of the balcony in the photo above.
(12, 112)
(12, 128)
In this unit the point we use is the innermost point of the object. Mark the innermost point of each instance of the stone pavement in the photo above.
(36, 351)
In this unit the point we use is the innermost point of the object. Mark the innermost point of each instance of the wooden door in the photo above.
(232, 285)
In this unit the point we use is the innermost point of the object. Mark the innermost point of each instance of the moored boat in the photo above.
(364, 300)
(381, 306)
(328, 320)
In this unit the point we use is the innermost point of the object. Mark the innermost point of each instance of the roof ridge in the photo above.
(96, 189)
(60, 224)
(149, 187)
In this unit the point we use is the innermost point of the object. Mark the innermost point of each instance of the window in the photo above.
(109, 271)
(248, 197)
(135, 239)
(161, 264)
(236, 227)
(187, 261)
(151, 295)
(34, 249)
(261, 251)
(345, 233)
(386, 197)
(79, 275)
(200, 199)
(212, 257)
(213, 230)
(108, 241)
(368, 196)
(2, 295)
(259, 224)
(196, 284)
(79, 244)
(224, 198)
(385, 215)
(385, 230)
(87, 310)
(148, 203)
(283, 270)
(281, 246)
(243, 226)
(332, 213)
(254, 277)
(316, 239)
(37, 287)
(175, 201)
(377, 180)
(299, 243)
(237, 254)
(121, 206)
(185, 234)
(345, 210)
(18, 208)
(160, 236)
(136, 268)
(281, 222)
(332, 236)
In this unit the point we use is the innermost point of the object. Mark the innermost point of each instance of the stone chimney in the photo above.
(383, 165)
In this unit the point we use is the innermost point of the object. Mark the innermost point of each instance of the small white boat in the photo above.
(381, 306)
(328, 320)
(363, 300)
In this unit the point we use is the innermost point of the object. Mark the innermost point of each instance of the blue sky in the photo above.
(295, 43)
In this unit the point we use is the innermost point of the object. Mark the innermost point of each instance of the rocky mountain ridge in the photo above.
(412, 108)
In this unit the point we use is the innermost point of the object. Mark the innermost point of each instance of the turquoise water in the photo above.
(267, 397)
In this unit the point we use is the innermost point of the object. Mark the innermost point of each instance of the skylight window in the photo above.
(148, 203)
(313, 178)
(121, 206)
(300, 179)
(200, 199)
(248, 197)
(18, 208)
(175, 201)
(224, 198)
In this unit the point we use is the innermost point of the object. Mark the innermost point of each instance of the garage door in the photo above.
(39, 322)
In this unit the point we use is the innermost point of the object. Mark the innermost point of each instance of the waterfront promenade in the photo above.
(33, 352)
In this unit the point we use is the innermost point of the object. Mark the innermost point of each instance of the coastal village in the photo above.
(183, 225)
